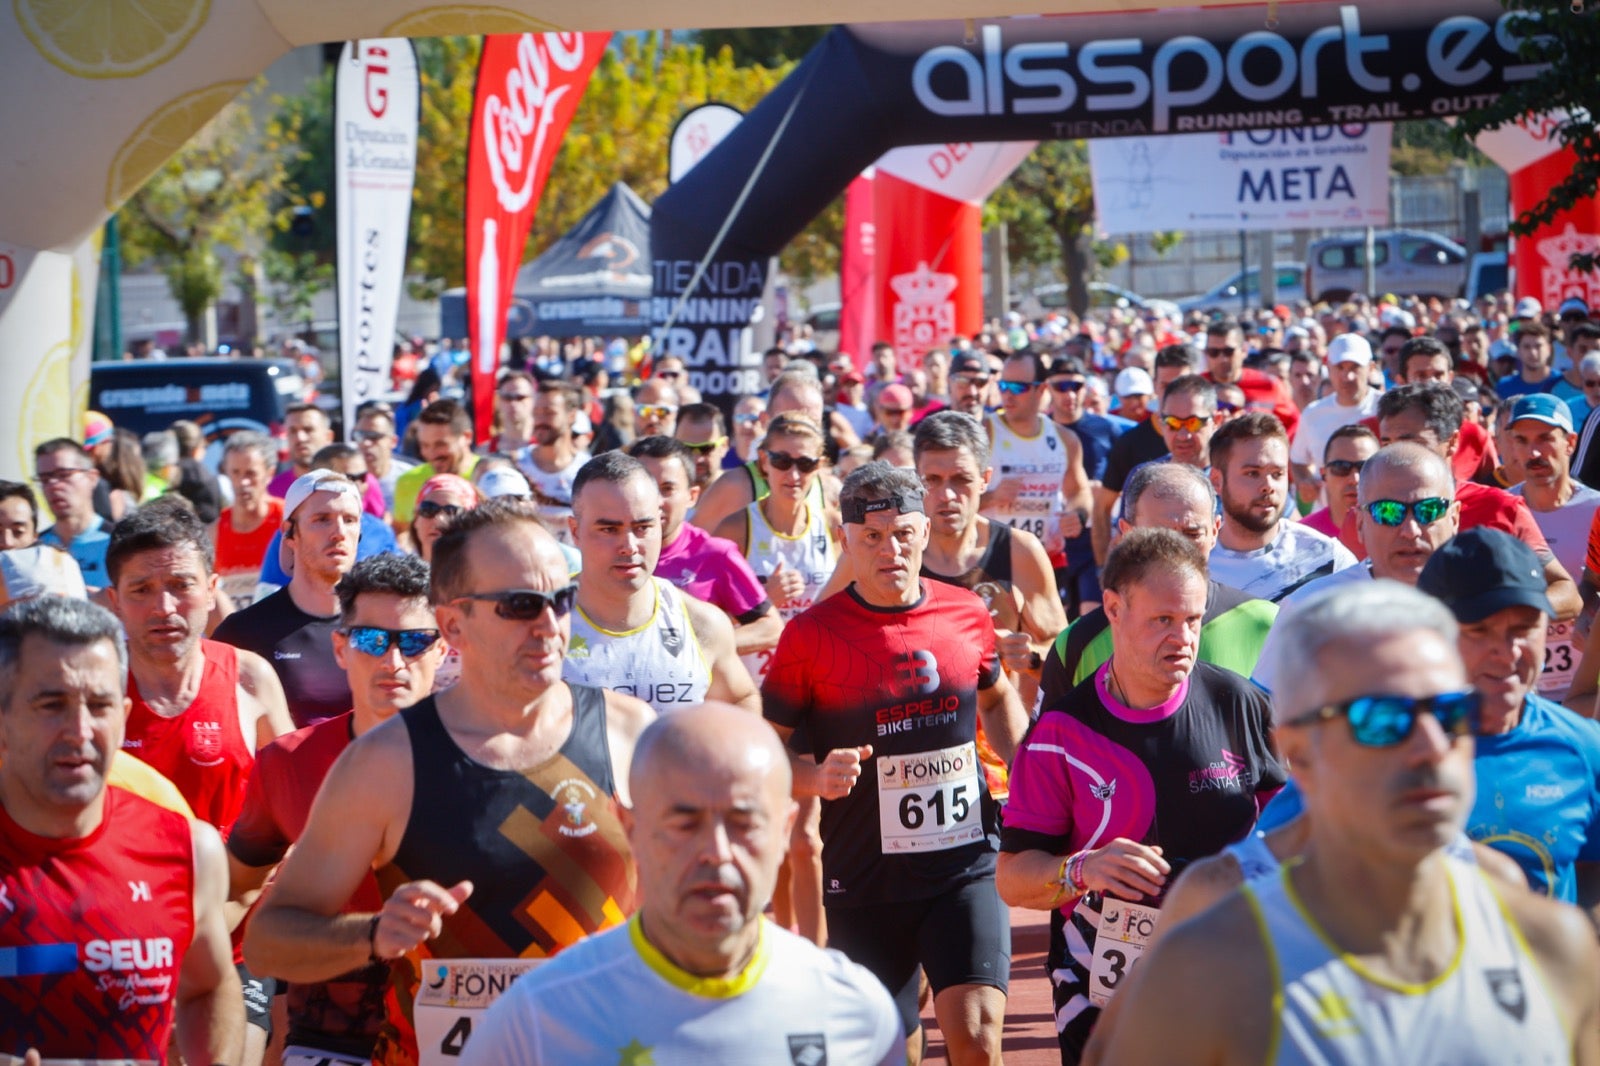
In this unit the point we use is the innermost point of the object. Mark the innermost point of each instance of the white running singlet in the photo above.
(614, 998)
(553, 493)
(1490, 1007)
(661, 662)
(1035, 465)
(812, 554)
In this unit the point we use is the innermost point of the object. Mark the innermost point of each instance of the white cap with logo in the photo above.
(317, 481)
(1349, 348)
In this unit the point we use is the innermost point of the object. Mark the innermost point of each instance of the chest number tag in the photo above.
(1124, 934)
(452, 998)
(929, 801)
(1561, 655)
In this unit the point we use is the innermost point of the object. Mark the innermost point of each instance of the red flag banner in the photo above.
(529, 86)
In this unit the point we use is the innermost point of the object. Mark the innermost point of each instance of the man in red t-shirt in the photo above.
(199, 710)
(245, 529)
(388, 642)
(1225, 352)
(111, 907)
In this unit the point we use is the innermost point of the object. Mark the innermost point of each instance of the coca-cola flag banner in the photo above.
(1316, 177)
(529, 86)
(867, 88)
(375, 157)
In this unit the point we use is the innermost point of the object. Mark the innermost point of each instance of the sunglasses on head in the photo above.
(1192, 424)
(657, 410)
(785, 462)
(1345, 467)
(1068, 385)
(1393, 513)
(1384, 721)
(429, 509)
(524, 605)
(376, 641)
(705, 445)
(1017, 388)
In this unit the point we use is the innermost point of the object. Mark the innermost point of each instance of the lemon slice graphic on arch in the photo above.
(110, 38)
(46, 409)
(465, 20)
(161, 135)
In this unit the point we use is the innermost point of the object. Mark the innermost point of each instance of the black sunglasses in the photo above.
(1345, 467)
(784, 461)
(1384, 721)
(376, 641)
(524, 605)
(1068, 386)
(429, 509)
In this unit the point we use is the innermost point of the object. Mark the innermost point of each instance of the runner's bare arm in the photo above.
(730, 681)
(626, 718)
(1076, 488)
(1562, 590)
(1004, 718)
(244, 882)
(269, 708)
(1582, 694)
(1562, 942)
(298, 933)
(759, 635)
(833, 778)
(1043, 617)
(210, 1003)
(728, 494)
(1100, 522)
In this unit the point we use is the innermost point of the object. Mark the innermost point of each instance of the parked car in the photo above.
(223, 395)
(1225, 296)
(1487, 275)
(1405, 262)
(1102, 297)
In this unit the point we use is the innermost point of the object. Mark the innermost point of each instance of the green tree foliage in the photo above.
(1565, 37)
(764, 46)
(1048, 206)
(216, 193)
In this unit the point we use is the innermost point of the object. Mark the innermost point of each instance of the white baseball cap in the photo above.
(1349, 348)
(1134, 381)
(1528, 307)
(317, 481)
(503, 481)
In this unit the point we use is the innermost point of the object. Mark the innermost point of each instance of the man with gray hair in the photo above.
(889, 679)
(111, 906)
(1376, 715)
(246, 528)
(1179, 497)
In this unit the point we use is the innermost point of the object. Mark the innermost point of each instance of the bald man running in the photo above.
(705, 977)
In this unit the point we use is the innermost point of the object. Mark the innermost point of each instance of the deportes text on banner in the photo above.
(375, 158)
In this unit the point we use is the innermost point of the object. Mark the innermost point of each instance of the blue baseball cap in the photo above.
(1542, 407)
(1482, 571)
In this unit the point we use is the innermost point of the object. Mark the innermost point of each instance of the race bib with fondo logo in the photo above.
(929, 801)
(1124, 932)
(451, 999)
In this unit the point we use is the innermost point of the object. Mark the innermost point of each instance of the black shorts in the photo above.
(258, 993)
(962, 937)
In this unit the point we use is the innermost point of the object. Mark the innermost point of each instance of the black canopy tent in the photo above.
(592, 282)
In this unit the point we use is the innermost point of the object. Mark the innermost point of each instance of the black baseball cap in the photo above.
(968, 363)
(1481, 571)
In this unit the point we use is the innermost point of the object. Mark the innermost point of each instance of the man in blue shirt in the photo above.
(67, 475)
(1538, 764)
(1533, 353)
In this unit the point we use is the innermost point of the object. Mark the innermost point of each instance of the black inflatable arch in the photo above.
(868, 88)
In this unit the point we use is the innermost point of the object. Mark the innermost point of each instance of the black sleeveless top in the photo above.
(990, 578)
(543, 847)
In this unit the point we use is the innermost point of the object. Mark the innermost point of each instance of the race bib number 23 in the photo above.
(929, 801)
(452, 998)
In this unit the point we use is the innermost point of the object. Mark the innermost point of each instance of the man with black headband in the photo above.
(889, 679)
